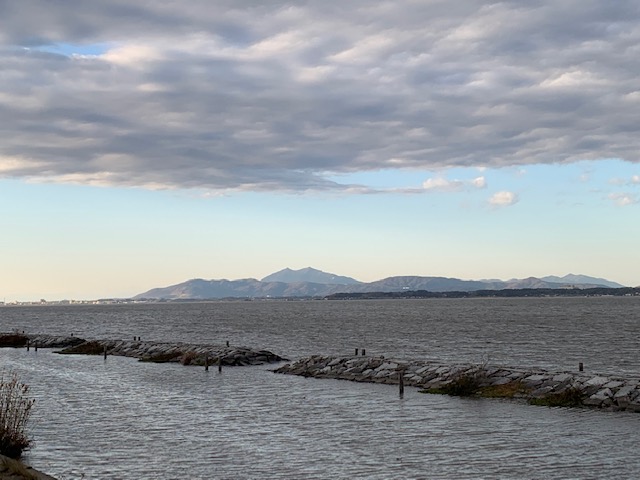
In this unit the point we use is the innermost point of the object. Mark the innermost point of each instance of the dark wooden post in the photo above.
(580, 367)
(219, 363)
(356, 352)
(401, 382)
(206, 363)
(363, 352)
(227, 343)
(35, 346)
(105, 352)
(27, 345)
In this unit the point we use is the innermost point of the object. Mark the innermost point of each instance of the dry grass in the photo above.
(507, 390)
(571, 397)
(470, 384)
(15, 409)
(465, 384)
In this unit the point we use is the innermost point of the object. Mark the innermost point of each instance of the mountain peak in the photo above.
(311, 275)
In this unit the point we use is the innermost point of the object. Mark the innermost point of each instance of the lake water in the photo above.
(121, 419)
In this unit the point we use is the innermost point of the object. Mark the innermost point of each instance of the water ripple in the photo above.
(121, 419)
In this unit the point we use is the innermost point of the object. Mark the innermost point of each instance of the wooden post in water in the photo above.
(105, 352)
(227, 343)
(356, 352)
(206, 363)
(219, 363)
(580, 367)
(363, 352)
(401, 382)
(27, 345)
(35, 346)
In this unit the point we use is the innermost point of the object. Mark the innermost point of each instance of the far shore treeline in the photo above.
(514, 292)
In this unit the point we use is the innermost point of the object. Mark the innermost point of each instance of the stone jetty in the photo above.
(534, 385)
(159, 352)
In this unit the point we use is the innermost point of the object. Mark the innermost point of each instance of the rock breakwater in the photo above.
(534, 385)
(159, 352)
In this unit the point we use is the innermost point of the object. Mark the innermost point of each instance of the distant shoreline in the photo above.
(505, 293)
(405, 294)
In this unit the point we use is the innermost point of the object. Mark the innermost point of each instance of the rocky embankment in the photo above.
(536, 385)
(11, 469)
(159, 352)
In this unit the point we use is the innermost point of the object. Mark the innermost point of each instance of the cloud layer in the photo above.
(277, 96)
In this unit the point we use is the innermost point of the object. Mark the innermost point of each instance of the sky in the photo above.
(143, 144)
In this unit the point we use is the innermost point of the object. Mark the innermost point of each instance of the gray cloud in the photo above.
(280, 95)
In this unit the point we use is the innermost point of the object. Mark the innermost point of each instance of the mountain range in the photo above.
(309, 282)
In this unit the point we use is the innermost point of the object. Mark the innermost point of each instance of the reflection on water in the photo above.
(122, 419)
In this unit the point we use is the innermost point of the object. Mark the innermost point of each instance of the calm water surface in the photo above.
(129, 420)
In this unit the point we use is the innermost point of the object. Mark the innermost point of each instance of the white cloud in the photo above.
(503, 199)
(634, 180)
(479, 182)
(623, 199)
(15, 166)
(573, 79)
(441, 184)
(131, 55)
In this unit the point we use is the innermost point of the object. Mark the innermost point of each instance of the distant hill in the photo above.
(443, 284)
(434, 284)
(248, 288)
(309, 275)
(582, 279)
(275, 285)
